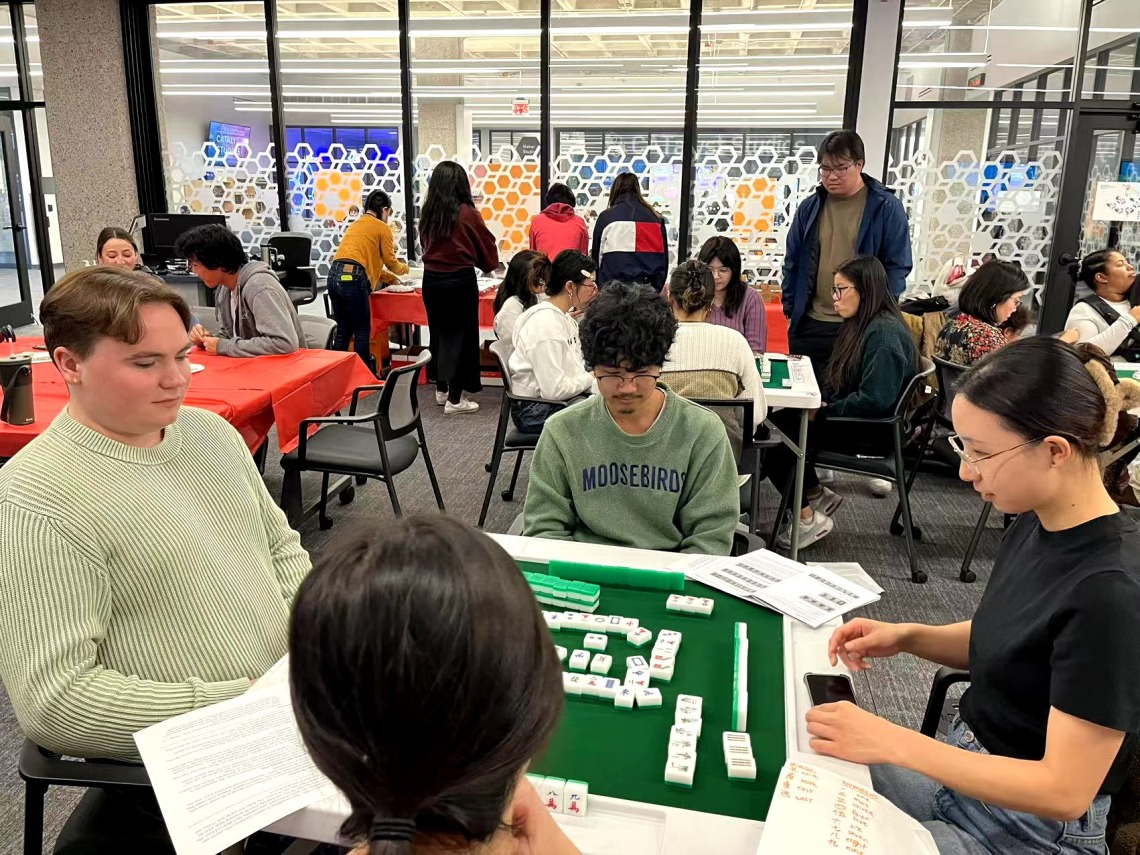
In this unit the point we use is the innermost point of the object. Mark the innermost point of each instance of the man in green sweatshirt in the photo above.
(144, 569)
(635, 465)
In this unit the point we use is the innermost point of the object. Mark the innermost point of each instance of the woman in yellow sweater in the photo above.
(365, 259)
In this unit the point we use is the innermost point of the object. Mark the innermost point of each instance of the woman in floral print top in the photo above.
(987, 300)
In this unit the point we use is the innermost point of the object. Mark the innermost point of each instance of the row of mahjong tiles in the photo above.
(622, 726)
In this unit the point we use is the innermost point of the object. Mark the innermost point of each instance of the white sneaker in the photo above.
(825, 476)
(464, 406)
(880, 488)
(440, 398)
(811, 531)
(827, 503)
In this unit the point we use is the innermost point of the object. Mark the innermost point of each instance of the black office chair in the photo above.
(292, 262)
(507, 439)
(937, 717)
(380, 445)
(898, 426)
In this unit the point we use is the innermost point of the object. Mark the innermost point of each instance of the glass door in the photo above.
(15, 293)
(1099, 206)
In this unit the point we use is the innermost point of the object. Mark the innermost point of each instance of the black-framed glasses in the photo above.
(837, 293)
(613, 382)
(972, 462)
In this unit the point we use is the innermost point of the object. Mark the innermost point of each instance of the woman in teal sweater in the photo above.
(873, 360)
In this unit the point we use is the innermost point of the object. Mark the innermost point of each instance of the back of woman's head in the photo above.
(423, 679)
(691, 287)
(989, 286)
(449, 189)
(1041, 387)
(569, 266)
(377, 201)
(527, 271)
(628, 186)
(724, 250)
(867, 274)
(560, 194)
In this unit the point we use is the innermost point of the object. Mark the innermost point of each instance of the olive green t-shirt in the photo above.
(839, 223)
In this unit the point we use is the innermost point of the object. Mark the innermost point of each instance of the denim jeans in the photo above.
(352, 309)
(530, 417)
(961, 825)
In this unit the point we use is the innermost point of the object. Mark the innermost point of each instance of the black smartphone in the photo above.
(829, 688)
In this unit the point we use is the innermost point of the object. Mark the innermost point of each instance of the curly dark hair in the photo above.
(627, 326)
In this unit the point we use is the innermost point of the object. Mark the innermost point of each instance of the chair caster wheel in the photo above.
(915, 532)
(918, 577)
(346, 496)
(968, 576)
(486, 467)
(361, 480)
(508, 495)
(325, 524)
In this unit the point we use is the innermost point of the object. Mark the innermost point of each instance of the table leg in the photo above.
(798, 495)
(292, 503)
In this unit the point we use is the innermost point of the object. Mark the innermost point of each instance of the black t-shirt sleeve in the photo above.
(1095, 671)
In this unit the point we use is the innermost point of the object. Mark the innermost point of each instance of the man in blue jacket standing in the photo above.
(850, 213)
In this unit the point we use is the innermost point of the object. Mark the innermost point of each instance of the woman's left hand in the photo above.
(845, 731)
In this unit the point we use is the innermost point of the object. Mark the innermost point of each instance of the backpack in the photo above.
(1130, 347)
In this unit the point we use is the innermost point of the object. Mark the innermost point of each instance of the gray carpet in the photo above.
(460, 446)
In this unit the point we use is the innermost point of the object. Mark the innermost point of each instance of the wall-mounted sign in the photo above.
(977, 81)
(1116, 201)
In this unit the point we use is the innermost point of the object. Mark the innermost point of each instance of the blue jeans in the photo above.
(961, 825)
(349, 291)
(530, 417)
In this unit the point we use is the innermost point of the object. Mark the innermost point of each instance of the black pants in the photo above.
(815, 340)
(452, 303)
(349, 292)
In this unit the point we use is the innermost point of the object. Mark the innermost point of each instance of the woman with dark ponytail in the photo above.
(707, 360)
(424, 680)
(1046, 732)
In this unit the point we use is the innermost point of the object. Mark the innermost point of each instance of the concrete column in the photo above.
(879, 61)
(87, 118)
(439, 120)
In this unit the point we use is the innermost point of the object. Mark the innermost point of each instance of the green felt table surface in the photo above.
(779, 373)
(1126, 373)
(622, 753)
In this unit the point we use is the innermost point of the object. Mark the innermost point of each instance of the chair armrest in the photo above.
(303, 428)
(885, 421)
(357, 392)
(39, 764)
(743, 541)
(943, 680)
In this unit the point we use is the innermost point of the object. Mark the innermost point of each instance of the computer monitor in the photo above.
(160, 231)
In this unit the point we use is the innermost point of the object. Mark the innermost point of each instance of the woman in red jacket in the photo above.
(558, 227)
(455, 242)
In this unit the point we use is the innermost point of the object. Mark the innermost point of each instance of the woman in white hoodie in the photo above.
(547, 360)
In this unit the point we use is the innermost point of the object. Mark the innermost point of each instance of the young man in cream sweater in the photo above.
(144, 569)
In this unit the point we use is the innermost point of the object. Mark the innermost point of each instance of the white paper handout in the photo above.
(226, 771)
(817, 811)
(813, 594)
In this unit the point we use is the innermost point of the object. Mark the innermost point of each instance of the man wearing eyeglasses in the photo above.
(635, 465)
(849, 214)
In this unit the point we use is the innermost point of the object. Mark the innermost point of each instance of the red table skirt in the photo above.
(390, 308)
(777, 327)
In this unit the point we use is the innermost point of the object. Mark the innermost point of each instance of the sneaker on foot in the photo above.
(827, 503)
(464, 406)
(811, 531)
(825, 476)
(440, 398)
(880, 488)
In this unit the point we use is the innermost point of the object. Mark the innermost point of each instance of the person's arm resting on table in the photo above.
(861, 639)
(549, 508)
(1081, 318)
(54, 612)
(554, 383)
(711, 509)
(274, 317)
(393, 268)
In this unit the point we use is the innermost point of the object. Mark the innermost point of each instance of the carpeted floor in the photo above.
(460, 446)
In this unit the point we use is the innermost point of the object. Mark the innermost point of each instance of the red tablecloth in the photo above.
(251, 394)
(777, 327)
(390, 308)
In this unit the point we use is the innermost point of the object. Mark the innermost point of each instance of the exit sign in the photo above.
(977, 81)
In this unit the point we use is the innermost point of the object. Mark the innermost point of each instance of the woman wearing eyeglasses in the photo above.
(734, 304)
(987, 300)
(873, 360)
(1047, 729)
(547, 360)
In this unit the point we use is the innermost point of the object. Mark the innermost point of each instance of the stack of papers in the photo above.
(813, 595)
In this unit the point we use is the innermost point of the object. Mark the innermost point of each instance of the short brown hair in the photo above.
(102, 302)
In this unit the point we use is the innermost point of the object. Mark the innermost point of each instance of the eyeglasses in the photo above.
(641, 382)
(837, 293)
(972, 462)
(837, 171)
(719, 271)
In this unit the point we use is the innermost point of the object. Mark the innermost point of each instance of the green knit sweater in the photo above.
(137, 583)
(673, 487)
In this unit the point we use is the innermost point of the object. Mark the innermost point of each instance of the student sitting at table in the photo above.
(146, 570)
(522, 287)
(1108, 317)
(547, 359)
(735, 305)
(1046, 731)
(635, 465)
(427, 742)
(253, 309)
(873, 360)
(115, 246)
(992, 293)
(708, 361)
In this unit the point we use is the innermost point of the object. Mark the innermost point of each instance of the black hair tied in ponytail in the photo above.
(691, 287)
(391, 836)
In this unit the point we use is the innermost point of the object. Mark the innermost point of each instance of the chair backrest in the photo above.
(950, 376)
(295, 248)
(737, 424)
(502, 351)
(926, 368)
(319, 332)
(399, 407)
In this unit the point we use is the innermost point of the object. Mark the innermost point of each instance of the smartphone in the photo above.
(829, 688)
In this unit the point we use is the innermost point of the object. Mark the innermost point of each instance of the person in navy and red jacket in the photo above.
(630, 243)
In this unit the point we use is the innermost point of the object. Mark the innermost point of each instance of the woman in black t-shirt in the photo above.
(1049, 722)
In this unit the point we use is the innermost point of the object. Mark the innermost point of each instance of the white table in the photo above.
(622, 827)
(803, 396)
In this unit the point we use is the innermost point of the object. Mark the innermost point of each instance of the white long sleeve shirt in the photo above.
(1094, 329)
(703, 347)
(547, 359)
